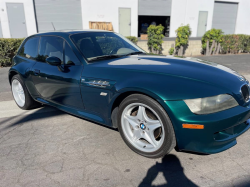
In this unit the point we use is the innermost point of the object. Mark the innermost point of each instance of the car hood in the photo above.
(168, 77)
(191, 68)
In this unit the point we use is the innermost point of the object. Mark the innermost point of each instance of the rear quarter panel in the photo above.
(22, 66)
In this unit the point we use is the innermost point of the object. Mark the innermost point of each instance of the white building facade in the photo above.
(21, 18)
(27, 22)
(232, 16)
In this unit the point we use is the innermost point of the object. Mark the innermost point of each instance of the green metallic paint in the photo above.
(167, 80)
(204, 140)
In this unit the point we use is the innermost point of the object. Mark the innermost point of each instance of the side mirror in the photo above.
(54, 61)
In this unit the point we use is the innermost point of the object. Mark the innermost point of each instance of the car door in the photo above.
(58, 84)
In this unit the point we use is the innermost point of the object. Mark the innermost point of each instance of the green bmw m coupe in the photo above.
(156, 102)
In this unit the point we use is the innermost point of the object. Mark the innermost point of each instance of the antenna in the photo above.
(53, 26)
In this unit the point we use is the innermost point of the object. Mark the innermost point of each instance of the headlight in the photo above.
(210, 105)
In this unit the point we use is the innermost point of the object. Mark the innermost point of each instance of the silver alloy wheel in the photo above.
(140, 129)
(18, 92)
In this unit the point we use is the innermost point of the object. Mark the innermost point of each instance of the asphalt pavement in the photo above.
(239, 63)
(47, 147)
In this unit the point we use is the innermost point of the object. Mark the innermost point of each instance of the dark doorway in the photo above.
(146, 21)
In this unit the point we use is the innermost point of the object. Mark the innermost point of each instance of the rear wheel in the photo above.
(21, 94)
(145, 127)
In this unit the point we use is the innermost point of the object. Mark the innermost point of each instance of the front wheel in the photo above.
(145, 127)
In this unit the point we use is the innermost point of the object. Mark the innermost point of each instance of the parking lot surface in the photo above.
(239, 63)
(47, 147)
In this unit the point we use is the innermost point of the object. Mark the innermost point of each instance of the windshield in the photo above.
(106, 44)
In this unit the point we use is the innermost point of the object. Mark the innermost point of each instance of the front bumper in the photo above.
(220, 129)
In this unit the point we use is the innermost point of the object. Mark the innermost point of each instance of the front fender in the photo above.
(163, 88)
(140, 90)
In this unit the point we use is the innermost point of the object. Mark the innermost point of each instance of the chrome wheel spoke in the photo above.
(149, 136)
(132, 120)
(18, 92)
(153, 126)
(141, 114)
(20, 86)
(21, 95)
(16, 88)
(136, 135)
(140, 130)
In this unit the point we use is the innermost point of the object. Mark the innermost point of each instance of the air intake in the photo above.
(245, 92)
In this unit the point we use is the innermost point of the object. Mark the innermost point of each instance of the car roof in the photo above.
(69, 32)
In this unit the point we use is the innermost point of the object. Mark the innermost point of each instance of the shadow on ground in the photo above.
(170, 166)
(172, 171)
(41, 113)
(38, 115)
(174, 175)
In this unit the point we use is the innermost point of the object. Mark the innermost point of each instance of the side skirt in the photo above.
(79, 113)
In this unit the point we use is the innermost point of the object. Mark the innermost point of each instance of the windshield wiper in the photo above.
(135, 53)
(103, 57)
(113, 56)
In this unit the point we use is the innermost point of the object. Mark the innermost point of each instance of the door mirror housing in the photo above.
(53, 61)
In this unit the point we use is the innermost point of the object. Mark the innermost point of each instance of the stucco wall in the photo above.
(187, 12)
(92, 10)
(108, 11)
(182, 12)
(29, 16)
(193, 49)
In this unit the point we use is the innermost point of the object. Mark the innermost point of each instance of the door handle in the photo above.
(36, 71)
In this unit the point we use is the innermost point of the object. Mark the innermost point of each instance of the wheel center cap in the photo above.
(142, 126)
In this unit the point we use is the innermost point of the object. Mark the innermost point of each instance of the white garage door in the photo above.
(225, 15)
(154, 7)
(58, 15)
(1, 33)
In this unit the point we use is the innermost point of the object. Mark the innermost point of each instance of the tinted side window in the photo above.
(50, 46)
(70, 57)
(30, 48)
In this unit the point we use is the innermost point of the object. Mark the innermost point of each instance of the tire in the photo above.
(25, 102)
(145, 126)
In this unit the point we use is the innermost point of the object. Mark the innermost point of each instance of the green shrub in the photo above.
(244, 43)
(235, 43)
(212, 35)
(231, 44)
(8, 49)
(133, 39)
(156, 54)
(181, 41)
(171, 51)
(155, 37)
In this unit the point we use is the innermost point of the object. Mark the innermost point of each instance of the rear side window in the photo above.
(30, 48)
(50, 46)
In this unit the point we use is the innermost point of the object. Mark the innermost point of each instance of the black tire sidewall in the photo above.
(169, 139)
